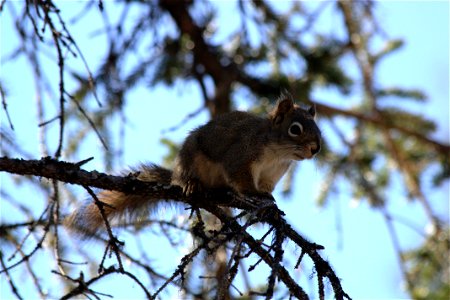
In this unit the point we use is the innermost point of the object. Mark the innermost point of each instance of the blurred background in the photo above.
(132, 78)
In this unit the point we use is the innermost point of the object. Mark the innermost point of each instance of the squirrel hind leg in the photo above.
(186, 178)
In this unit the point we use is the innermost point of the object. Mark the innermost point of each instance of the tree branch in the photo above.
(204, 54)
(210, 201)
(72, 173)
(327, 110)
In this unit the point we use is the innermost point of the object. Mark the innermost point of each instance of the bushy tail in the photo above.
(87, 219)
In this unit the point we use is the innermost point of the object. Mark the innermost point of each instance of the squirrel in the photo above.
(237, 150)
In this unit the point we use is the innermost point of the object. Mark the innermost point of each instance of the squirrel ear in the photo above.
(284, 106)
(312, 110)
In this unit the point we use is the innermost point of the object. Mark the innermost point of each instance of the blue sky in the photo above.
(361, 252)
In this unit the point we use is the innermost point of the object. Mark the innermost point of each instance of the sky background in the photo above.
(355, 237)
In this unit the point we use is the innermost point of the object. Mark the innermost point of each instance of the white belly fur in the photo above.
(269, 169)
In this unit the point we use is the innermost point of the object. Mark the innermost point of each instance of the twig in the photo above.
(56, 222)
(93, 126)
(37, 247)
(113, 244)
(8, 276)
(179, 271)
(56, 39)
(5, 107)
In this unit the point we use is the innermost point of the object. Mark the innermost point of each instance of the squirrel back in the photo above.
(237, 150)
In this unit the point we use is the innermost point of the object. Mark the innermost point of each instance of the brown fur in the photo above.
(237, 150)
(245, 152)
(88, 221)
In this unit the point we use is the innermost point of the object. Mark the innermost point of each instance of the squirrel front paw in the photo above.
(191, 186)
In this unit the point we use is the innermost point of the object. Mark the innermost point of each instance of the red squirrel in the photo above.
(237, 150)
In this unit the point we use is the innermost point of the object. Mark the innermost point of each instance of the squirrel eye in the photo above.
(295, 129)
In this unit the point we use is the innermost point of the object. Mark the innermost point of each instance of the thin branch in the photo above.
(38, 246)
(93, 126)
(396, 243)
(5, 107)
(366, 63)
(56, 35)
(114, 244)
(56, 221)
(179, 271)
(8, 276)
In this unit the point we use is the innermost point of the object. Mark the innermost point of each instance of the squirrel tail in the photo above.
(87, 220)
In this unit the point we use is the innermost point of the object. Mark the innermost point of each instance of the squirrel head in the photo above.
(295, 129)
